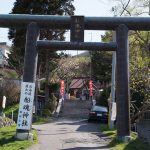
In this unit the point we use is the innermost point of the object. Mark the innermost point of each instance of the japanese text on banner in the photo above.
(26, 106)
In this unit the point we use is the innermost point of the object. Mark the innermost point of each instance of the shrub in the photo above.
(53, 87)
(11, 91)
(5, 122)
(102, 98)
(42, 85)
(72, 98)
(46, 113)
(52, 103)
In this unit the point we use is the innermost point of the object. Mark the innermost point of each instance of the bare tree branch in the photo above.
(124, 9)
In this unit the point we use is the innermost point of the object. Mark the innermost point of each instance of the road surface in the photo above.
(69, 134)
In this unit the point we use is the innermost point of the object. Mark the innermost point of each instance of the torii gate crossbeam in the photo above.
(63, 22)
(93, 46)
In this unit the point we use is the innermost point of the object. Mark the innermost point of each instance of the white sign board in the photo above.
(26, 106)
(4, 102)
(113, 114)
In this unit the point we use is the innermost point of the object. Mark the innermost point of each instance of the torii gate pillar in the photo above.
(24, 122)
(122, 83)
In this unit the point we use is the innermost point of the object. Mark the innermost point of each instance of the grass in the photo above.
(134, 144)
(40, 120)
(8, 141)
(8, 110)
(37, 119)
(9, 73)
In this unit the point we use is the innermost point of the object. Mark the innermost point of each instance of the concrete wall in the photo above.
(143, 129)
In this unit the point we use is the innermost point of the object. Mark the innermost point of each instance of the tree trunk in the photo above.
(47, 72)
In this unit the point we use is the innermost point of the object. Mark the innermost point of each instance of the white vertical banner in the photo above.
(4, 102)
(26, 106)
(113, 114)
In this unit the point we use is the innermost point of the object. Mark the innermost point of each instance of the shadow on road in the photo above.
(84, 126)
(73, 122)
(87, 148)
(88, 128)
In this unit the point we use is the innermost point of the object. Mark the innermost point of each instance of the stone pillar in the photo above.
(30, 67)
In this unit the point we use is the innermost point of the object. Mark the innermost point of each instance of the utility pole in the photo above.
(2, 83)
(113, 80)
(113, 85)
(149, 7)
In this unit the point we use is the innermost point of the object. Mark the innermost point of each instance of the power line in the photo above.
(104, 2)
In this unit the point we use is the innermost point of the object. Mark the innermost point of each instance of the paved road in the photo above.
(65, 134)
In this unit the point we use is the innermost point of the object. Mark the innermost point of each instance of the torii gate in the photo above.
(120, 24)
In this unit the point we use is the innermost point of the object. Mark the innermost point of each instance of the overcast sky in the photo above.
(83, 7)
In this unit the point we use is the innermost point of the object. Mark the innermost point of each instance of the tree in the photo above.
(101, 61)
(101, 65)
(73, 67)
(132, 7)
(139, 70)
(53, 7)
(41, 7)
(139, 51)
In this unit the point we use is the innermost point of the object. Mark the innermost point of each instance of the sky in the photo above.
(83, 7)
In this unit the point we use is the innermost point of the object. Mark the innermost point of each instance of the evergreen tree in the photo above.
(101, 65)
(40, 7)
(102, 61)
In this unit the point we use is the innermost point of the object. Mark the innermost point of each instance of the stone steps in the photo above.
(76, 109)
